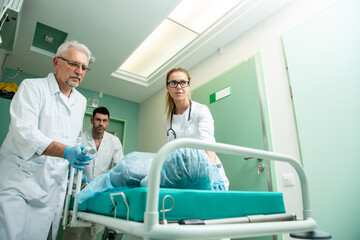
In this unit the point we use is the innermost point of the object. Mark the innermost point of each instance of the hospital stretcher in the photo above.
(138, 212)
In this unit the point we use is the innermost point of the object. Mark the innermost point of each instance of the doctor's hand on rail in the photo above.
(217, 182)
(76, 157)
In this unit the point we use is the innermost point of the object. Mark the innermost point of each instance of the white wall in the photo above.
(151, 130)
(266, 39)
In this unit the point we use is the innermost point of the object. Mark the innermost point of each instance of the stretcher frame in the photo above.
(152, 229)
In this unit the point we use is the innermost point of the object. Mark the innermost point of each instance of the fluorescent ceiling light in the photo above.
(184, 24)
(167, 39)
(198, 15)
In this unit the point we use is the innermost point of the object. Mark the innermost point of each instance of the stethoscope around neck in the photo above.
(171, 130)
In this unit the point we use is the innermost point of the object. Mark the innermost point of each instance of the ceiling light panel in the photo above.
(200, 14)
(184, 24)
(168, 39)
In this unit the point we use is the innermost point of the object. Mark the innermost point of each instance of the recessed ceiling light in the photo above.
(48, 38)
(184, 24)
(200, 14)
(168, 39)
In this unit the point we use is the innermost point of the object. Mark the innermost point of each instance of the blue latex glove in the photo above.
(217, 183)
(84, 179)
(75, 156)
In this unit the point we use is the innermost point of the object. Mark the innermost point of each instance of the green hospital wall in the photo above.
(118, 108)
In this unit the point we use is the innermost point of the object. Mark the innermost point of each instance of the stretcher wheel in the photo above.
(311, 235)
(111, 235)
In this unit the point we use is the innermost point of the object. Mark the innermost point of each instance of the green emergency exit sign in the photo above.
(216, 96)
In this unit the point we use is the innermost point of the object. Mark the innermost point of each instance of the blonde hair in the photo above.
(169, 102)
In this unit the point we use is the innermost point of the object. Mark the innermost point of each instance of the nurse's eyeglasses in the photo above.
(174, 84)
(75, 65)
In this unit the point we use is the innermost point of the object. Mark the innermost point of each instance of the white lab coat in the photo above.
(200, 126)
(32, 187)
(108, 154)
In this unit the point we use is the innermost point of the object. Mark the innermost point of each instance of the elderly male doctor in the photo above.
(46, 120)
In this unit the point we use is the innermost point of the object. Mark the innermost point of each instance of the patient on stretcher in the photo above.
(183, 168)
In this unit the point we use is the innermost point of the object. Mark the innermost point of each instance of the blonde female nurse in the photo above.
(188, 119)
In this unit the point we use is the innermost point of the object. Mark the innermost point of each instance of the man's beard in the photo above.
(71, 84)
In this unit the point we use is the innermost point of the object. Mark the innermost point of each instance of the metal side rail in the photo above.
(151, 229)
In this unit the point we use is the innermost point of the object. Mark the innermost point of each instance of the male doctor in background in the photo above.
(108, 153)
(46, 120)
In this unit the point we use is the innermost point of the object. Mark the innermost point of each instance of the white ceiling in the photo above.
(113, 29)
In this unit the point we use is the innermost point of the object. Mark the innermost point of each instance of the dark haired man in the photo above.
(108, 153)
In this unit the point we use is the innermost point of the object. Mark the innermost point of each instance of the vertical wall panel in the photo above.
(323, 66)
